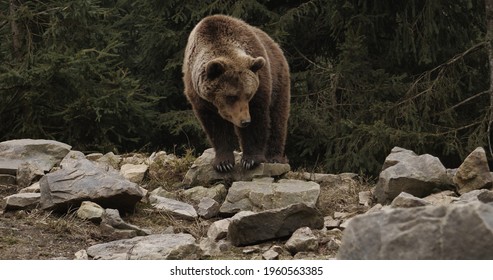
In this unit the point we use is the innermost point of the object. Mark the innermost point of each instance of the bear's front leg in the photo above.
(253, 138)
(222, 137)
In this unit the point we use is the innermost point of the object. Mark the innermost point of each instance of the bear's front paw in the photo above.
(249, 162)
(224, 163)
(224, 166)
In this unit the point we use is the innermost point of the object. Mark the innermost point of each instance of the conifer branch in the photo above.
(440, 68)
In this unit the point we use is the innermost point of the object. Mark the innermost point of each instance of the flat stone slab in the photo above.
(259, 196)
(152, 247)
(202, 173)
(275, 223)
(21, 201)
(44, 154)
(174, 207)
(82, 180)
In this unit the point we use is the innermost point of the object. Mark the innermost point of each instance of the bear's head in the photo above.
(230, 85)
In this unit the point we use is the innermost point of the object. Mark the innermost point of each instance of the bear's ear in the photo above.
(214, 69)
(257, 64)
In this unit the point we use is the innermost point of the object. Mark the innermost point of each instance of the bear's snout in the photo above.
(245, 123)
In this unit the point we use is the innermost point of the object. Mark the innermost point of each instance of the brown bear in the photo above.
(237, 81)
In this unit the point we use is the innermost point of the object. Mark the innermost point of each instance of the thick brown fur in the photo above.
(237, 80)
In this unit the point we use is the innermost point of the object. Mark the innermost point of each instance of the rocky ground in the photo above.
(62, 204)
(29, 232)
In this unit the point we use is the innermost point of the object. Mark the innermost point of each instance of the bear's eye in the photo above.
(231, 99)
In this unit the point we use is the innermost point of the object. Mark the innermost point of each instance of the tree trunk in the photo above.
(16, 33)
(489, 36)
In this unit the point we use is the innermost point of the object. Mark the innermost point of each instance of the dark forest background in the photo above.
(366, 75)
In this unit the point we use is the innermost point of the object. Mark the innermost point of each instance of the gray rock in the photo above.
(258, 196)
(326, 178)
(27, 173)
(365, 198)
(474, 172)
(42, 154)
(112, 233)
(34, 188)
(484, 196)
(302, 240)
(202, 172)
(145, 193)
(81, 180)
(217, 192)
(208, 208)
(406, 172)
(331, 223)
(345, 223)
(272, 254)
(405, 200)
(270, 224)
(112, 218)
(376, 208)
(268, 180)
(398, 155)
(94, 156)
(90, 211)
(152, 247)
(134, 172)
(81, 255)
(455, 231)
(163, 193)
(21, 201)
(211, 248)
(109, 161)
(219, 229)
(173, 207)
(134, 159)
(441, 198)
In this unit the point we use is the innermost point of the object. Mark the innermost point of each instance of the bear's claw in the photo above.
(248, 164)
(224, 167)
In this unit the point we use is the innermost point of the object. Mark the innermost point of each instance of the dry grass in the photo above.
(342, 196)
(158, 221)
(41, 235)
(171, 172)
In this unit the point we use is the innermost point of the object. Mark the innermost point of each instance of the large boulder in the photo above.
(202, 173)
(474, 172)
(275, 223)
(404, 171)
(152, 247)
(455, 231)
(258, 196)
(82, 180)
(40, 154)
